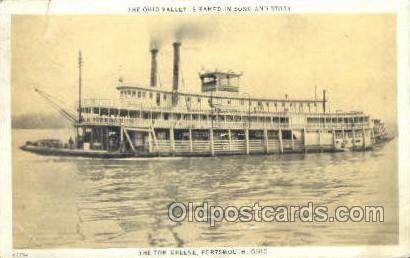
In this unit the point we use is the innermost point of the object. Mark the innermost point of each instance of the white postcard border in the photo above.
(8, 8)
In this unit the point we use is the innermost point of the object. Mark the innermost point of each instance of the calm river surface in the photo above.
(73, 202)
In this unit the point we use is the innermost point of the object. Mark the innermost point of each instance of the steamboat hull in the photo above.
(49, 151)
(59, 152)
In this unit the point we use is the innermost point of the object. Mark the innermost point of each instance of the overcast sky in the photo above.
(353, 56)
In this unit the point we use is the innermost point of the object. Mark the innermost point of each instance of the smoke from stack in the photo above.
(153, 79)
(178, 32)
(175, 71)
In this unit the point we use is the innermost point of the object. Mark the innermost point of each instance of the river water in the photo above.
(77, 203)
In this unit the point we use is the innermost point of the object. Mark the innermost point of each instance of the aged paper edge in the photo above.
(401, 8)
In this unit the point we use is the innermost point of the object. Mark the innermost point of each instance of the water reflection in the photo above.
(132, 196)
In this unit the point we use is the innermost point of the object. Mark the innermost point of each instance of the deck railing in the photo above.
(206, 124)
(135, 106)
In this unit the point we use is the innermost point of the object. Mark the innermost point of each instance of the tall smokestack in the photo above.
(175, 78)
(153, 81)
(324, 101)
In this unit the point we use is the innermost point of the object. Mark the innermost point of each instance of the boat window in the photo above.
(199, 100)
(158, 100)
(139, 94)
(237, 135)
(274, 135)
(143, 94)
(150, 95)
(134, 114)
(287, 135)
(284, 120)
(164, 96)
(256, 135)
(200, 135)
(229, 101)
(242, 102)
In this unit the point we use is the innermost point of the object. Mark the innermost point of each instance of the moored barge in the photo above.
(149, 121)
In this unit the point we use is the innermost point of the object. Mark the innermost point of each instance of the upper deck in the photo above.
(154, 98)
(220, 104)
(143, 106)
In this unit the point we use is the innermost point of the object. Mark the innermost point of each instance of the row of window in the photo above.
(346, 120)
(147, 115)
(260, 104)
(141, 94)
(167, 116)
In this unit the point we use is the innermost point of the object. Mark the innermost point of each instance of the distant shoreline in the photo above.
(39, 121)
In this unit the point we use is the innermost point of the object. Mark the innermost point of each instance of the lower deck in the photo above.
(211, 142)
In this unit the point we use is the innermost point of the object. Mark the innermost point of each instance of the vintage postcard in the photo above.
(196, 129)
